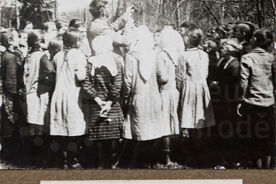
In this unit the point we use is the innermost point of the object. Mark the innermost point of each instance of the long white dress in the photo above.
(67, 118)
(144, 119)
(171, 45)
(169, 96)
(141, 78)
(195, 109)
(36, 103)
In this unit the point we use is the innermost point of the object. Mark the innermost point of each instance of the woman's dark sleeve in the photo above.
(273, 68)
(245, 74)
(3, 74)
(235, 71)
(128, 75)
(180, 73)
(88, 84)
(46, 71)
(115, 90)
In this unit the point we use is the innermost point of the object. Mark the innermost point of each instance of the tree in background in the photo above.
(157, 13)
(37, 11)
(206, 13)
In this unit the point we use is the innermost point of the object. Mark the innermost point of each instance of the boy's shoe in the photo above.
(169, 165)
(75, 166)
(65, 166)
(115, 166)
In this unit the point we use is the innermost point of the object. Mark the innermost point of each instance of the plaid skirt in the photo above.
(102, 128)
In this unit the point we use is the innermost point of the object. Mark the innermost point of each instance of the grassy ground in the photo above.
(184, 153)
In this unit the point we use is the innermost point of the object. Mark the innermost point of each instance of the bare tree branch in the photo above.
(273, 7)
(209, 9)
(178, 6)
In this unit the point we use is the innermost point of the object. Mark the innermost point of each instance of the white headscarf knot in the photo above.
(102, 45)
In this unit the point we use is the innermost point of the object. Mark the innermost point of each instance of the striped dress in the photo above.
(106, 87)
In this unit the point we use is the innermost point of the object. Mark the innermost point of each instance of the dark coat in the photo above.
(108, 88)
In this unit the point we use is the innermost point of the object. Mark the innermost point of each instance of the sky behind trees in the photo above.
(70, 5)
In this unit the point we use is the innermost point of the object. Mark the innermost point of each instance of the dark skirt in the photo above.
(260, 128)
(9, 114)
(102, 128)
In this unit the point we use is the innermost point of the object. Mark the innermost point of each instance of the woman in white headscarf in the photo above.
(141, 78)
(171, 44)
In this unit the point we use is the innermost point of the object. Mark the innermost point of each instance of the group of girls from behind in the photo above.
(150, 94)
(104, 98)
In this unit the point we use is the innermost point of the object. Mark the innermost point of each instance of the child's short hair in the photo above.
(54, 46)
(194, 35)
(75, 23)
(34, 38)
(158, 30)
(187, 25)
(71, 38)
(263, 38)
(246, 29)
(96, 8)
(210, 46)
(4, 39)
(49, 25)
(10, 37)
(59, 24)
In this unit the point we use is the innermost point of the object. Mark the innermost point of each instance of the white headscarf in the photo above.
(172, 43)
(141, 48)
(102, 45)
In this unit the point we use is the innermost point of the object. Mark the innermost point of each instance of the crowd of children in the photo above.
(119, 90)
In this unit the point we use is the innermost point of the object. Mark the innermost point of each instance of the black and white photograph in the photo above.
(138, 84)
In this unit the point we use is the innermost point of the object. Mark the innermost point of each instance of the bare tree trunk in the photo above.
(163, 6)
(177, 15)
(119, 7)
(222, 12)
(17, 14)
(210, 11)
(187, 10)
(263, 12)
(274, 12)
(55, 10)
(260, 12)
(176, 8)
(273, 7)
(84, 15)
(157, 12)
(142, 13)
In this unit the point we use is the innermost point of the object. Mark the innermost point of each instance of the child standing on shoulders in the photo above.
(67, 119)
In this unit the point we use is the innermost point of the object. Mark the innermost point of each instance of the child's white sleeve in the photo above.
(80, 69)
